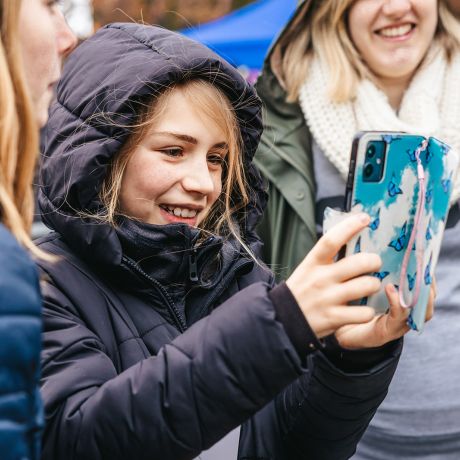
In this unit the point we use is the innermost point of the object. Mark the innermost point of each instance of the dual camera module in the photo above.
(374, 161)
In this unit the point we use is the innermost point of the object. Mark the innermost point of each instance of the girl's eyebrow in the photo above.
(181, 137)
(187, 138)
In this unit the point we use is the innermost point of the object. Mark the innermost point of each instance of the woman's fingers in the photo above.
(329, 244)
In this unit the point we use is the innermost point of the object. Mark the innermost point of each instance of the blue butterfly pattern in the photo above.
(374, 225)
(445, 149)
(358, 246)
(411, 154)
(428, 235)
(393, 188)
(427, 276)
(429, 155)
(399, 243)
(446, 183)
(429, 195)
(381, 275)
(411, 280)
(410, 322)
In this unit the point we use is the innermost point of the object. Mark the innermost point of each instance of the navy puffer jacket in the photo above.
(142, 360)
(21, 415)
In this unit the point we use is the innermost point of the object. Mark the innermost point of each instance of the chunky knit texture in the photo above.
(430, 106)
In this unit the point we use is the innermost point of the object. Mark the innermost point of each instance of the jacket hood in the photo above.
(110, 77)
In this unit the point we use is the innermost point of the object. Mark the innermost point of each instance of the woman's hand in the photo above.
(383, 328)
(323, 288)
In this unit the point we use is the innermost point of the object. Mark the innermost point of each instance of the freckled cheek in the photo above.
(155, 181)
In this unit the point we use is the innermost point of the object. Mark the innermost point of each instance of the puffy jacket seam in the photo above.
(142, 42)
(141, 336)
(100, 346)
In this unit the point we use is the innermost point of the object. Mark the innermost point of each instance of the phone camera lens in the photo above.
(368, 170)
(370, 151)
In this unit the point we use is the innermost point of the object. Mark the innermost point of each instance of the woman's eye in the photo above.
(54, 3)
(172, 152)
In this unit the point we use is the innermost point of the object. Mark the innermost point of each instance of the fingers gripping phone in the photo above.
(385, 182)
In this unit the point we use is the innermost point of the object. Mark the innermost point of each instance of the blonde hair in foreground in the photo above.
(18, 133)
(321, 28)
(214, 104)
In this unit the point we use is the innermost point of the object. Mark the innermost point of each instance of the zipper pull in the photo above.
(193, 270)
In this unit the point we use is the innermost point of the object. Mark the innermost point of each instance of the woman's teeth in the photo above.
(392, 32)
(181, 212)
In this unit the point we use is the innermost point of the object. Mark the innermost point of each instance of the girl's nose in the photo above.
(198, 178)
(397, 8)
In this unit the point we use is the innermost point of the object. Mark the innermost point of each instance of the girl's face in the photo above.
(45, 39)
(175, 172)
(393, 36)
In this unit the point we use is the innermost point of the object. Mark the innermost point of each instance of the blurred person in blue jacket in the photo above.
(33, 40)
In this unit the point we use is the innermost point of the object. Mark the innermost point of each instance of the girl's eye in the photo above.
(216, 159)
(172, 152)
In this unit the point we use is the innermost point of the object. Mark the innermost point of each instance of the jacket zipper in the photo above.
(192, 267)
(178, 319)
(224, 284)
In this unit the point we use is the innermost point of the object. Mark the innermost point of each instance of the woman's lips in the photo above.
(397, 32)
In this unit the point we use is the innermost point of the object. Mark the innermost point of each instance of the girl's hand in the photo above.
(323, 287)
(383, 328)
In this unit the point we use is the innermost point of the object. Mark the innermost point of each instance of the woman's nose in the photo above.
(397, 8)
(66, 39)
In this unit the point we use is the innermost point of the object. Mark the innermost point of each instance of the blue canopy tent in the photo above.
(244, 36)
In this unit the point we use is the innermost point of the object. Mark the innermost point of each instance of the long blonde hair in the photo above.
(321, 28)
(221, 220)
(18, 132)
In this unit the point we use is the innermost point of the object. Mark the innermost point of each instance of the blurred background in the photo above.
(239, 30)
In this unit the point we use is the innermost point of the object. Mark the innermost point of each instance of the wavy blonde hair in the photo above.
(222, 218)
(18, 132)
(320, 28)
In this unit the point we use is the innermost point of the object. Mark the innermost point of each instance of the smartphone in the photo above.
(383, 182)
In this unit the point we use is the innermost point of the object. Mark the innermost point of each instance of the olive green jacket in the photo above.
(285, 159)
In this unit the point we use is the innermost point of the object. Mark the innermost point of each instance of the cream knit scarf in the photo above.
(431, 106)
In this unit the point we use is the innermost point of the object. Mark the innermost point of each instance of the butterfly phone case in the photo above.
(404, 182)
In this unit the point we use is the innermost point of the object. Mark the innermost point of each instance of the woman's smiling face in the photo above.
(174, 173)
(393, 36)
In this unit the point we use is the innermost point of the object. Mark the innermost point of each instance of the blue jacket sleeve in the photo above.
(20, 337)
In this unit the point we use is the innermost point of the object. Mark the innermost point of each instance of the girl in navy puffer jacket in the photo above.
(162, 330)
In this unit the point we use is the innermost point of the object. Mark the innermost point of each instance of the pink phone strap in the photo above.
(416, 236)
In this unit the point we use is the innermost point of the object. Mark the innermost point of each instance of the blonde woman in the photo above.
(340, 67)
(162, 331)
(33, 40)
